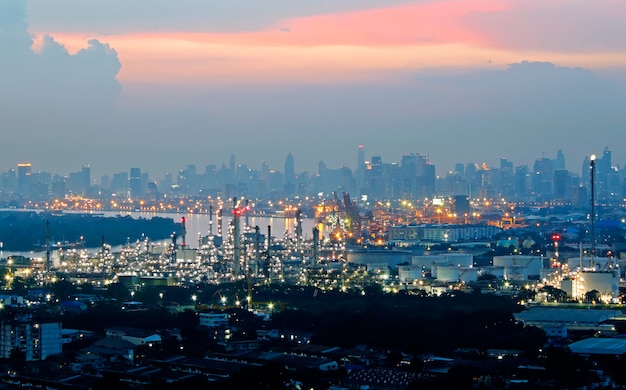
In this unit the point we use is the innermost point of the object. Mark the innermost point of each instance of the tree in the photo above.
(117, 291)
(63, 289)
(592, 296)
(553, 293)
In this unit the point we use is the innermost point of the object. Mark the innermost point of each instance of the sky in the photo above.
(159, 84)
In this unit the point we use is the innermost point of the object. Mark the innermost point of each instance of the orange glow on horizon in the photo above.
(376, 45)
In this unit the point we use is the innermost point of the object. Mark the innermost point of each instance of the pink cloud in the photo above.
(414, 24)
(556, 25)
(374, 43)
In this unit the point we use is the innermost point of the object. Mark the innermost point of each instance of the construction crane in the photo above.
(352, 214)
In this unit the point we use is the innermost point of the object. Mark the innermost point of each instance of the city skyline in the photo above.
(159, 85)
(361, 156)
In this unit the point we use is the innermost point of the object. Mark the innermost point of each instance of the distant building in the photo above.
(25, 338)
(136, 189)
(24, 178)
(572, 319)
(441, 233)
(214, 320)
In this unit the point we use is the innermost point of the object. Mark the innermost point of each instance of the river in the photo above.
(200, 224)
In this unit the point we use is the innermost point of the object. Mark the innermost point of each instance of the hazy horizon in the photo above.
(161, 85)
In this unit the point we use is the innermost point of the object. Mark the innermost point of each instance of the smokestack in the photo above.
(47, 246)
(592, 165)
(219, 222)
(269, 252)
(316, 243)
(174, 247)
(236, 240)
(210, 220)
(257, 243)
(299, 230)
(247, 214)
(183, 232)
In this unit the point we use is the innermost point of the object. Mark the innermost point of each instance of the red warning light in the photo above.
(237, 212)
(556, 237)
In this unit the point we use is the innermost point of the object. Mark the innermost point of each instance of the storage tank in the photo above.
(495, 271)
(599, 263)
(567, 285)
(605, 282)
(515, 272)
(409, 273)
(381, 267)
(447, 273)
(428, 261)
(468, 274)
(533, 264)
(545, 273)
(458, 259)
(377, 256)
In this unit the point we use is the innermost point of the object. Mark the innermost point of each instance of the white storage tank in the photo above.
(546, 273)
(409, 273)
(605, 282)
(495, 271)
(567, 285)
(377, 256)
(458, 259)
(515, 272)
(468, 274)
(533, 264)
(599, 263)
(447, 273)
(428, 261)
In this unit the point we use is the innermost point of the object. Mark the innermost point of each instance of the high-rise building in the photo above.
(59, 186)
(25, 338)
(119, 183)
(9, 181)
(461, 205)
(521, 182)
(562, 184)
(86, 185)
(375, 181)
(543, 176)
(559, 162)
(76, 183)
(459, 169)
(408, 176)
(360, 158)
(24, 178)
(136, 189)
(506, 165)
(290, 176)
(359, 172)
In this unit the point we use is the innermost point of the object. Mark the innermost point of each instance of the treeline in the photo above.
(415, 324)
(26, 231)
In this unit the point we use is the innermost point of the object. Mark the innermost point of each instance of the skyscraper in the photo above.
(290, 176)
(359, 173)
(559, 162)
(135, 182)
(86, 177)
(543, 178)
(360, 158)
(23, 178)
